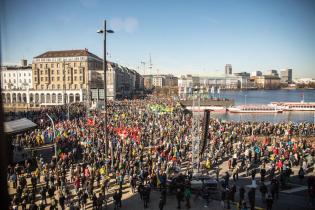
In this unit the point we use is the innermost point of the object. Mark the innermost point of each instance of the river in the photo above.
(265, 97)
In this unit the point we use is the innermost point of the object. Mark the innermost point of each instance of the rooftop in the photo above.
(67, 53)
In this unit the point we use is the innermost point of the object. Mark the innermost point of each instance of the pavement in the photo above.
(293, 198)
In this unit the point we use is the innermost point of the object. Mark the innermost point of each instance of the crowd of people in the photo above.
(147, 146)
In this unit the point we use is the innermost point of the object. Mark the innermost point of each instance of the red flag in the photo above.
(90, 122)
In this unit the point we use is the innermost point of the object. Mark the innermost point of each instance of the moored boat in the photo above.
(295, 106)
(255, 109)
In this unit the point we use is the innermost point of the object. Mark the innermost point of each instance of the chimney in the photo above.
(23, 62)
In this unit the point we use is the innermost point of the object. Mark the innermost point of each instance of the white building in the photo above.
(186, 84)
(304, 80)
(16, 77)
(158, 80)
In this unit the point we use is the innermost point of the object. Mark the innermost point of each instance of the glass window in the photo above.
(52, 78)
(75, 71)
(57, 71)
(58, 78)
(52, 71)
(58, 86)
(29, 80)
(75, 78)
(41, 79)
(69, 78)
(41, 65)
(80, 78)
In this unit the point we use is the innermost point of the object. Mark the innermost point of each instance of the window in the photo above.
(20, 74)
(29, 81)
(5, 80)
(81, 70)
(52, 78)
(13, 74)
(52, 71)
(41, 72)
(24, 80)
(80, 78)
(35, 73)
(74, 64)
(20, 81)
(81, 86)
(58, 86)
(53, 86)
(52, 65)
(75, 78)
(41, 65)
(75, 71)
(9, 75)
(41, 79)
(3, 75)
(68, 71)
(46, 65)
(58, 72)
(14, 81)
(75, 86)
(46, 79)
(69, 78)
(35, 78)
(24, 74)
(46, 71)
(58, 78)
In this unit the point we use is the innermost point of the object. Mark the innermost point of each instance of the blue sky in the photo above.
(183, 36)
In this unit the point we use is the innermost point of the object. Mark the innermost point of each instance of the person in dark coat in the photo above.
(161, 204)
(179, 197)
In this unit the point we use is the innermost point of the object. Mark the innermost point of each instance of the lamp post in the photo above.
(53, 125)
(104, 31)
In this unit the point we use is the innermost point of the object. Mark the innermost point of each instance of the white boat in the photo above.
(202, 108)
(295, 106)
(255, 109)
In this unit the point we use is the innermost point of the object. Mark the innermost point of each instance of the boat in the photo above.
(295, 106)
(255, 109)
(202, 108)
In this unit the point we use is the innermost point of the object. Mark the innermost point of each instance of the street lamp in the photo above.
(104, 31)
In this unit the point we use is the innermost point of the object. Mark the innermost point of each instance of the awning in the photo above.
(17, 126)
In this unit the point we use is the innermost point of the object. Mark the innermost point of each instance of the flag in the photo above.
(90, 122)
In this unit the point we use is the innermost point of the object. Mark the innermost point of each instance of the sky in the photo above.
(182, 36)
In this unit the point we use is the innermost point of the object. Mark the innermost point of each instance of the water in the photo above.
(265, 97)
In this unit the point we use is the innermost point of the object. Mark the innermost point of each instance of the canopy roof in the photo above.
(17, 126)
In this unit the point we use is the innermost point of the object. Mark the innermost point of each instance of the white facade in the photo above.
(158, 81)
(41, 97)
(304, 80)
(186, 84)
(16, 78)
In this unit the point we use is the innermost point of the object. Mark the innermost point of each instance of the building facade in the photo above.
(228, 69)
(16, 77)
(286, 76)
(267, 82)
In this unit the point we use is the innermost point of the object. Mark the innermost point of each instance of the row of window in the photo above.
(14, 81)
(13, 74)
(58, 79)
(58, 65)
(75, 71)
(59, 87)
